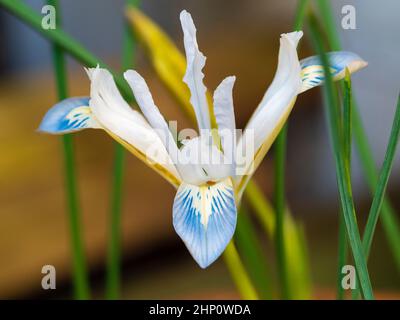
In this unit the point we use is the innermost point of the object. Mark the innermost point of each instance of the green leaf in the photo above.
(378, 199)
(347, 137)
(389, 219)
(239, 273)
(295, 243)
(252, 254)
(342, 174)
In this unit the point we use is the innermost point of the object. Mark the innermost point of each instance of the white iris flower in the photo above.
(206, 174)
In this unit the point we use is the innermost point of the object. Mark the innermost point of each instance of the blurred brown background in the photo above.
(238, 37)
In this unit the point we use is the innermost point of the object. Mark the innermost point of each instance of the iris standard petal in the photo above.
(205, 219)
(195, 61)
(312, 71)
(192, 171)
(69, 115)
(225, 117)
(166, 59)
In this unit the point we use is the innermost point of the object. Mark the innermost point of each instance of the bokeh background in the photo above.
(238, 37)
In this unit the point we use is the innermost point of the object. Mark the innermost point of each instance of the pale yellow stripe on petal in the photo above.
(259, 155)
(160, 169)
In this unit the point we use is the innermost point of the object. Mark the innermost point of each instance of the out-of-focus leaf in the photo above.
(297, 259)
(295, 242)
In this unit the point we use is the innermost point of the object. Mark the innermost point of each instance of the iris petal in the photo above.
(128, 126)
(194, 76)
(273, 110)
(69, 115)
(312, 71)
(205, 219)
(225, 117)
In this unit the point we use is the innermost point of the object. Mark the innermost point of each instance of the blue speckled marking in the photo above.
(56, 120)
(312, 69)
(205, 242)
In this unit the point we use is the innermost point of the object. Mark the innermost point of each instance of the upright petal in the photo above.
(205, 219)
(194, 76)
(69, 115)
(194, 171)
(225, 117)
(272, 112)
(312, 71)
(273, 108)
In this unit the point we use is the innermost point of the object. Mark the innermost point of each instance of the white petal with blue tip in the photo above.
(69, 115)
(312, 71)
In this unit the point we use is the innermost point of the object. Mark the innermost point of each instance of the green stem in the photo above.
(280, 154)
(300, 14)
(347, 135)
(80, 276)
(252, 253)
(81, 284)
(389, 219)
(328, 21)
(343, 180)
(238, 273)
(280, 147)
(342, 255)
(113, 280)
(114, 244)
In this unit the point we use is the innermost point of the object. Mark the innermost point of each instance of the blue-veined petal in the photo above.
(106, 109)
(69, 115)
(312, 71)
(205, 219)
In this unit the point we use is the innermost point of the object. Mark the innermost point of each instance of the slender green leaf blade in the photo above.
(347, 137)
(344, 184)
(390, 222)
(252, 254)
(382, 182)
